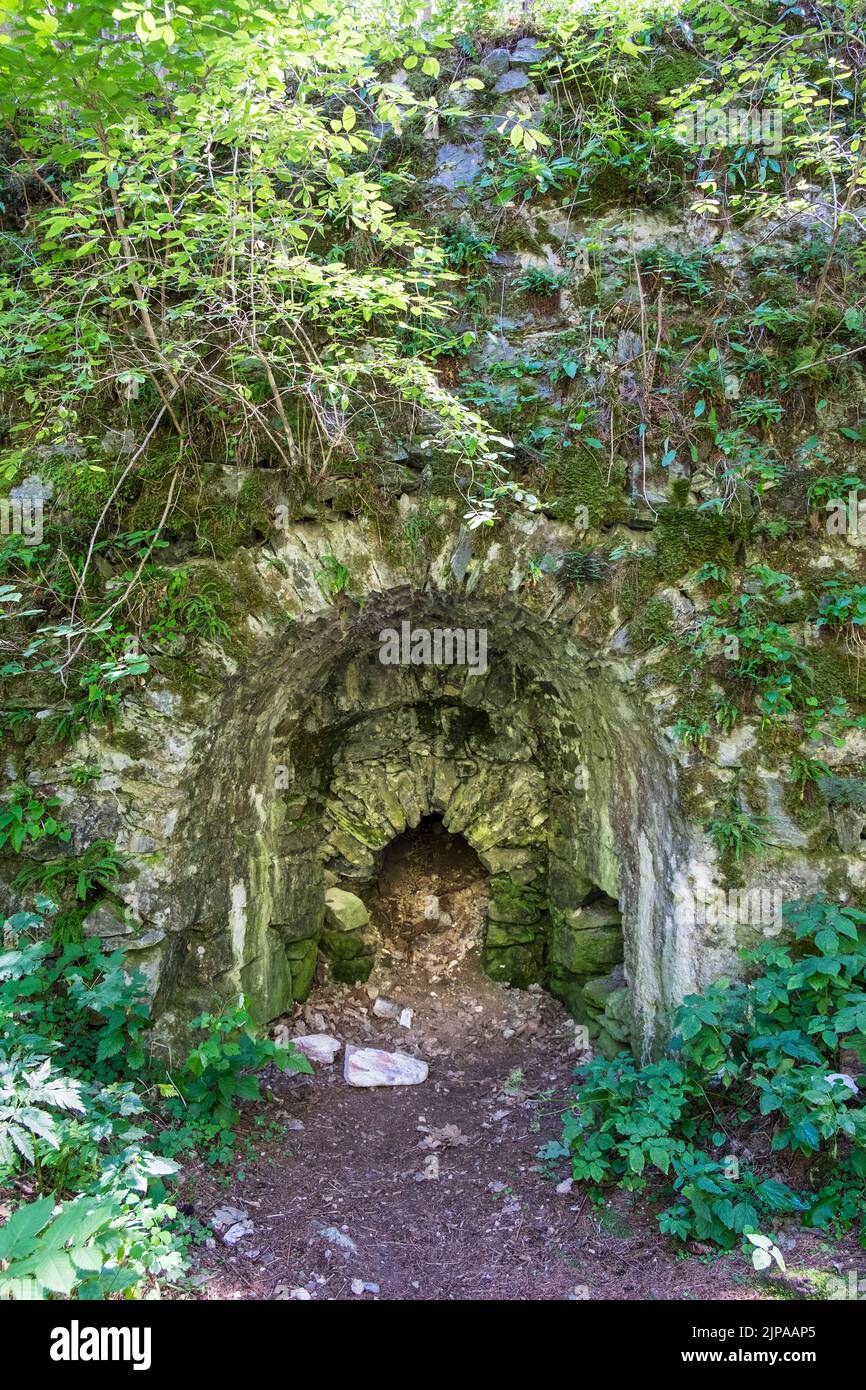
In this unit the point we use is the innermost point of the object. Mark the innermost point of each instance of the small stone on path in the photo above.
(318, 1047)
(334, 1236)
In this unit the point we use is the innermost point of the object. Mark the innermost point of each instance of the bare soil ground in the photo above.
(435, 1191)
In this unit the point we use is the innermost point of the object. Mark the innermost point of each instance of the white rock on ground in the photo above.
(232, 1223)
(318, 1047)
(334, 1236)
(386, 1008)
(369, 1066)
(362, 1286)
(223, 1217)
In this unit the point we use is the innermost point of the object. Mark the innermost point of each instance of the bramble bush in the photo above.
(760, 1067)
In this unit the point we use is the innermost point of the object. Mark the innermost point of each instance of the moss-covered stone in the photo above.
(514, 902)
(584, 950)
(687, 538)
(579, 477)
(517, 965)
(343, 945)
(644, 85)
(652, 627)
(569, 990)
(353, 971)
(302, 957)
(510, 933)
(607, 1045)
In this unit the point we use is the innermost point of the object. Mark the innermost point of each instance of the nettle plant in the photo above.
(770, 1067)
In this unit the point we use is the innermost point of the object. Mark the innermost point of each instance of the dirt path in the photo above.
(435, 1191)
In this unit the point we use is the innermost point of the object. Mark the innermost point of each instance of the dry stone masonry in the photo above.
(257, 787)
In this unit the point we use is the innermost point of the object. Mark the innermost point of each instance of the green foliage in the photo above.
(189, 608)
(807, 772)
(100, 1224)
(696, 734)
(222, 1069)
(834, 486)
(539, 281)
(99, 866)
(578, 567)
(72, 1027)
(94, 1246)
(737, 833)
(84, 773)
(90, 1000)
(29, 1091)
(466, 249)
(763, 653)
(333, 578)
(516, 176)
(843, 602)
(101, 699)
(162, 306)
(844, 791)
(26, 817)
(684, 274)
(754, 1068)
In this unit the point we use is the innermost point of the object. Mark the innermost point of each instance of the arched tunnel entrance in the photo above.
(545, 762)
(430, 898)
(435, 911)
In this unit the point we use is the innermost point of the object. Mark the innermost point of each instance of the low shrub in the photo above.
(760, 1067)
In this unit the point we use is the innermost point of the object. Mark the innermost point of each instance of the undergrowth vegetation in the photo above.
(231, 298)
(752, 1116)
(90, 1129)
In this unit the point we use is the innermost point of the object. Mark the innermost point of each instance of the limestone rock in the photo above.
(386, 1008)
(528, 51)
(334, 1236)
(849, 823)
(433, 913)
(731, 749)
(462, 555)
(497, 61)
(846, 1080)
(343, 911)
(370, 1066)
(588, 951)
(511, 81)
(458, 165)
(318, 1047)
(237, 1232)
(595, 915)
(597, 990)
(232, 1223)
(226, 1216)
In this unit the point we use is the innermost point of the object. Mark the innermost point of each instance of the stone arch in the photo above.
(547, 763)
